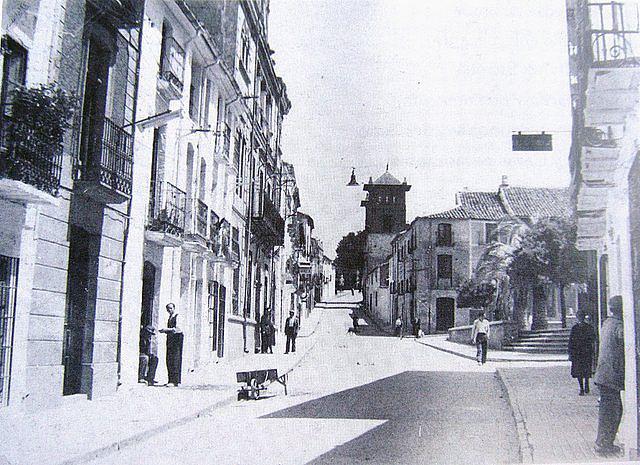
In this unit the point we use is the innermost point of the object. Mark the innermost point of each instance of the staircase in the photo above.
(542, 341)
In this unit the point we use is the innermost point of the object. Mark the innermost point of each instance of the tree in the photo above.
(493, 267)
(475, 294)
(546, 256)
(350, 256)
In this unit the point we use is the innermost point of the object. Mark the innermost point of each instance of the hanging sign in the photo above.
(531, 142)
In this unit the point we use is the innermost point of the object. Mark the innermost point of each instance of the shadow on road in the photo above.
(432, 417)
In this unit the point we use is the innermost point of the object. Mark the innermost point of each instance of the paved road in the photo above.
(353, 399)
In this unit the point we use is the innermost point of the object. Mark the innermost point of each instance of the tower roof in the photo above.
(387, 179)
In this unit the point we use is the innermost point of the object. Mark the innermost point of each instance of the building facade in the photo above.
(169, 187)
(438, 252)
(604, 41)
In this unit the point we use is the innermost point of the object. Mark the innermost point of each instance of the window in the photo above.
(14, 73)
(236, 292)
(489, 232)
(212, 304)
(195, 91)
(235, 241)
(245, 50)
(8, 287)
(238, 162)
(444, 237)
(445, 267)
(206, 103)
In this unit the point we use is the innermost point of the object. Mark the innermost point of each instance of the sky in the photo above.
(433, 88)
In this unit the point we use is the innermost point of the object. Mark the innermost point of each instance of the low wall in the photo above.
(501, 332)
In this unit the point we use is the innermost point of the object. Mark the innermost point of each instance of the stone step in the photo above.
(546, 332)
(538, 344)
(564, 339)
(535, 350)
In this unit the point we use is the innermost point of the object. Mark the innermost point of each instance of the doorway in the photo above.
(444, 313)
(78, 300)
(148, 293)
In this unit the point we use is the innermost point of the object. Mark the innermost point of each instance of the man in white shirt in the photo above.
(480, 336)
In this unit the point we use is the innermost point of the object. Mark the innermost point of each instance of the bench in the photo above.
(255, 381)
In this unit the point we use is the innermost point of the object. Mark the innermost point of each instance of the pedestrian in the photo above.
(341, 282)
(291, 331)
(266, 332)
(610, 379)
(417, 324)
(480, 337)
(354, 319)
(399, 327)
(581, 345)
(175, 339)
(148, 358)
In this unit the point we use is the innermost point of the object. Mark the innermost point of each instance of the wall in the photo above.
(501, 332)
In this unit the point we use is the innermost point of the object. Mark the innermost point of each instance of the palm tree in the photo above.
(493, 267)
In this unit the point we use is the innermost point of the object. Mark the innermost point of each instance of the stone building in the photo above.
(66, 213)
(170, 187)
(604, 42)
(440, 251)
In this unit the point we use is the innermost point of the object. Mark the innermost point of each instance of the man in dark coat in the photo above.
(266, 332)
(581, 344)
(291, 331)
(175, 340)
(148, 357)
(610, 378)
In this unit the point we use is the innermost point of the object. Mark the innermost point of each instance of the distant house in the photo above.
(439, 251)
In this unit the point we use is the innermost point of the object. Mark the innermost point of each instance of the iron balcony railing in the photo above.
(110, 158)
(28, 156)
(167, 209)
(172, 66)
(615, 33)
(201, 218)
(267, 221)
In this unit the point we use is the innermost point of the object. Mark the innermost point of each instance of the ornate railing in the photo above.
(201, 218)
(28, 156)
(109, 160)
(167, 209)
(615, 30)
(267, 221)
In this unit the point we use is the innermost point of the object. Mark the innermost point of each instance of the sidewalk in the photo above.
(554, 424)
(440, 342)
(82, 430)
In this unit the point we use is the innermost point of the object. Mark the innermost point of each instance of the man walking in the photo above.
(480, 337)
(610, 379)
(291, 331)
(399, 327)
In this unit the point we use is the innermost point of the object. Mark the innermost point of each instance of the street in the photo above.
(366, 398)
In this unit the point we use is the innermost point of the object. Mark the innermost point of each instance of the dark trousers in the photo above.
(481, 346)
(265, 343)
(609, 416)
(291, 343)
(147, 368)
(174, 359)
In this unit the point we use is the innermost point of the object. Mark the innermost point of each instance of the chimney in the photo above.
(505, 181)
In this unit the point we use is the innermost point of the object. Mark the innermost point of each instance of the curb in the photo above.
(489, 359)
(116, 446)
(525, 448)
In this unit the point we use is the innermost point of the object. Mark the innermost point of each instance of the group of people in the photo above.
(609, 373)
(268, 333)
(416, 326)
(148, 349)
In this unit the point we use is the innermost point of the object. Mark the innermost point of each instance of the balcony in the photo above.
(223, 143)
(106, 165)
(170, 78)
(266, 223)
(220, 242)
(167, 211)
(30, 167)
(197, 233)
(615, 33)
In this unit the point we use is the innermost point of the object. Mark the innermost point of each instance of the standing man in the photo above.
(291, 331)
(480, 337)
(399, 327)
(148, 357)
(175, 339)
(610, 379)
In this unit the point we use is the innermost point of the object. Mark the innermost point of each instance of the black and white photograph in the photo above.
(282, 232)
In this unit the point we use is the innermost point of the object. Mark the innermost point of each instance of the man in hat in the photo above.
(610, 378)
(291, 331)
(148, 358)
